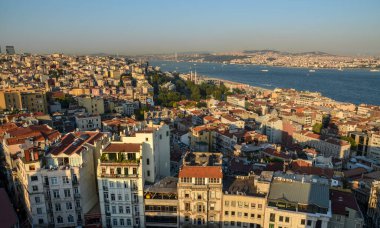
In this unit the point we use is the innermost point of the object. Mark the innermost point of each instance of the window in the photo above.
(65, 179)
(303, 221)
(67, 193)
(113, 209)
(199, 181)
(59, 219)
(253, 205)
(199, 196)
(233, 203)
(238, 224)
(56, 194)
(246, 215)
(187, 195)
(121, 211)
(147, 161)
(69, 205)
(232, 213)
(146, 139)
(119, 197)
(213, 180)
(187, 206)
(187, 218)
(35, 188)
(70, 218)
(37, 199)
(259, 206)
(54, 181)
(129, 222)
(281, 218)
(137, 221)
(309, 222)
(252, 215)
(121, 222)
(258, 216)
(39, 210)
(226, 213)
(227, 203)
(57, 207)
(127, 209)
(34, 178)
(114, 221)
(272, 217)
(148, 173)
(186, 179)
(113, 197)
(40, 221)
(287, 219)
(246, 204)
(239, 214)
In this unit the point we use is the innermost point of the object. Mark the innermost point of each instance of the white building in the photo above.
(374, 146)
(155, 140)
(88, 122)
(121, 185)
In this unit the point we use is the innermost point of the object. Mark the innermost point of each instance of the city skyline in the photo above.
(131, 28)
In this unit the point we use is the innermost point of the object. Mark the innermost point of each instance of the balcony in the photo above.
(119, 175)
(76, 195)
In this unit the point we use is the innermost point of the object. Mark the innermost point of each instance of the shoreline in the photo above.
(276, 66)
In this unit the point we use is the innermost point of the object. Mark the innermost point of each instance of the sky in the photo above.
(133, 27)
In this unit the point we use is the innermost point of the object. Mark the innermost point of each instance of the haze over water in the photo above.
(350, 85)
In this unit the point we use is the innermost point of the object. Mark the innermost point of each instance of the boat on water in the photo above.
(311, 71)
(374, 70)
(340, 69)
(264, 70)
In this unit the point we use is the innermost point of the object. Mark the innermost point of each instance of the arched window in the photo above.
(70, 218)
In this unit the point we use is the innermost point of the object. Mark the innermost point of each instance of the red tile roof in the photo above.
(201, 171)
(340, 200)
(122, 147)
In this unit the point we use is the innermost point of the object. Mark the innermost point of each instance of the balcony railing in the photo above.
(118, 175)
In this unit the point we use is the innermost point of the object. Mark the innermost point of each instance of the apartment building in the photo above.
(22, 98)
(92, 104)
(298, 201)
(236, 99)
(161, 203)
(88, 122)
(58, 189)
(200, 190)
(155, 140)
(328, 147)
(373, 211)
(374, 146)
(121, 185)
(244, 200)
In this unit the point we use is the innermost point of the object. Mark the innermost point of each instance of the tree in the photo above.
(350, 140)
(317, 128)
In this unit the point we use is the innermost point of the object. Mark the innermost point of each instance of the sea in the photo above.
(349, 85)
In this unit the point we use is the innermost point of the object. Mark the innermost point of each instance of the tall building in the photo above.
(59, 188)
(373, 212)
(200, 190)
(155, 140)
(121, 185)
(10, 50)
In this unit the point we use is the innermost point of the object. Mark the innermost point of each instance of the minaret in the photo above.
(191, 75)
(195, 77)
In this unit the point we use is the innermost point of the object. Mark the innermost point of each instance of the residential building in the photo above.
(121, 185)
(200, 190)
(92, 104)
(88, 122)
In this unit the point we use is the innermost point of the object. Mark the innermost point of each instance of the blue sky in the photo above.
(166, 26)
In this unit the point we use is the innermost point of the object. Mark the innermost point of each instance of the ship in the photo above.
(311, 70)
(264, 70)
(374, 70)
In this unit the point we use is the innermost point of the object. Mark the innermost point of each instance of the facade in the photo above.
(93, 105)
(161, 203)
(10, 50)
(328, 147)
(155, 140)
(239, 100)
(244, 200)
(88, 122)
(59, 189)
(373, 212)
(374, 146)
(23, 99)
(121, 184)
(200, 190)
(294, 201)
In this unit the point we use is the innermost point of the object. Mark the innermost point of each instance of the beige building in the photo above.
(93, 105)
(373, 212)
(23, 99)
(374, 146)
(244, 200)
(200, 190)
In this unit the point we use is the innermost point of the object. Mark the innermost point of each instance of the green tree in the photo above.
(317, 128)
(350, 140)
